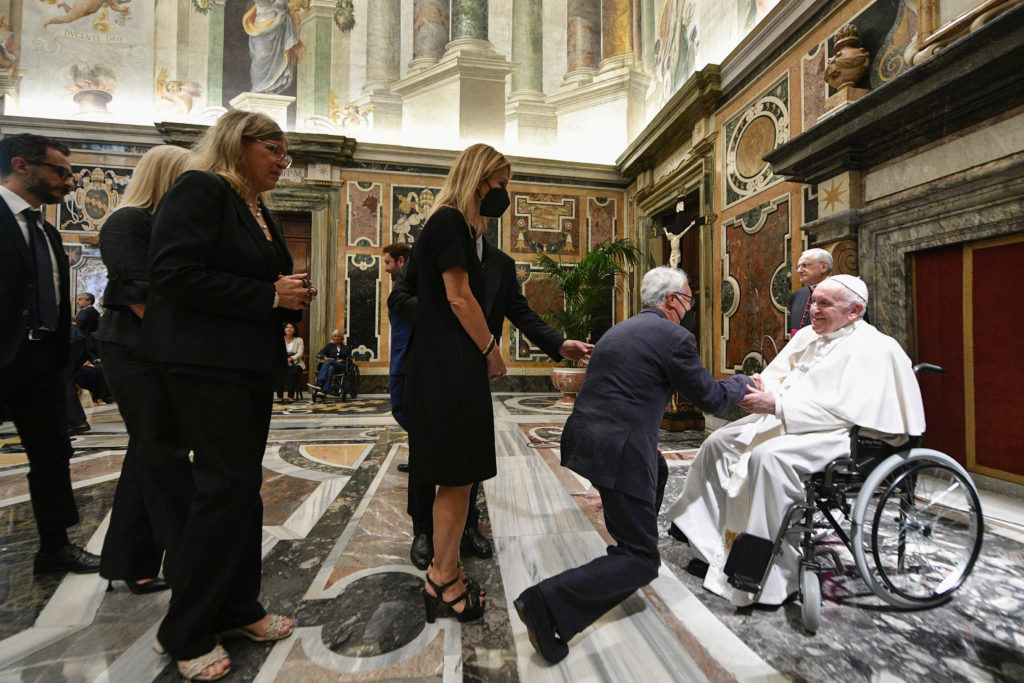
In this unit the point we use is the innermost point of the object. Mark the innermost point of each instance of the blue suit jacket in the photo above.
(611, 438)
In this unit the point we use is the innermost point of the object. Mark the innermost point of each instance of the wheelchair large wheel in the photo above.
(810, 599)
(350, 383)
(919, 519)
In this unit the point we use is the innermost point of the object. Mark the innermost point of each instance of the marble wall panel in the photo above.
(364, 213)
(751, 133)
(543, 298)
(756, 285)
(363, 305)
(542, 222)
(812, 78)
(98, 190)
(602, 219)
(410, 205)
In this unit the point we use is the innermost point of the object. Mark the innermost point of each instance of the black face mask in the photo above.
(688, 321)
(494, 203)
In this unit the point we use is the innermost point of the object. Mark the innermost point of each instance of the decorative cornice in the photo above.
(673, 125)
(304, 147)
(77, 134)
(972, 80)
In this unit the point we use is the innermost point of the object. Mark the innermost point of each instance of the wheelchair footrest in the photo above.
(748, 562)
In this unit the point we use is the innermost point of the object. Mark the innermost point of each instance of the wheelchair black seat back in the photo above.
(344, 385)
(915, 525)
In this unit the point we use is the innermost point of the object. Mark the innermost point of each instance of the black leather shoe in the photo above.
(403, 467)
(70, 558)
(80, 428)
(154, 586)
(677, 533)
(475, 543)
(422, 551)
(540, 627)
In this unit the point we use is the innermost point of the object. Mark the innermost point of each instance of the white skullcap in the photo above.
(852, 283)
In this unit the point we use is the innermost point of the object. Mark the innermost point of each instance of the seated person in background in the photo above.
(294, 365)
(334, 356)
(835, 374)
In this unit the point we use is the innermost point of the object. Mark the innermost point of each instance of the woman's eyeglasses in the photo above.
(275, 149)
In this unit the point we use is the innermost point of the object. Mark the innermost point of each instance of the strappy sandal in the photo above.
(192, 669)
(437, 606)
(275, 630)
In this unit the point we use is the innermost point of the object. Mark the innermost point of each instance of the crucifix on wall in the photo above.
(677, 230)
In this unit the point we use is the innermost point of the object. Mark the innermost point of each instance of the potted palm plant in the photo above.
(586, 288)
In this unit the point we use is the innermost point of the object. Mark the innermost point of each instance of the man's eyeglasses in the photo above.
(689, 299)
(274, 149)
(63, 171)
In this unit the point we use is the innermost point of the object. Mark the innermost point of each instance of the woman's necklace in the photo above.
(257, 211)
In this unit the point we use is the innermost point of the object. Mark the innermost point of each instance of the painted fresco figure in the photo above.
(274, 45)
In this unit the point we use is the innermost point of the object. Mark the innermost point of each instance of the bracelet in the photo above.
(490, 346)
(277, 300)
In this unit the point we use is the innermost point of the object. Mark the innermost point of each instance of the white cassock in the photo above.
(748, 472)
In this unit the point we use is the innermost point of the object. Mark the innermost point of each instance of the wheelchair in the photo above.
(344, 385)
(915, 525)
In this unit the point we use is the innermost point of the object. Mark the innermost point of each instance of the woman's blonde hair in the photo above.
(220, 149)
(153, 175)
(474, 164)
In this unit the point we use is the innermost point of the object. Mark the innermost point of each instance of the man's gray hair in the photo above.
(659, 282)
(852, 290)
(819, 255)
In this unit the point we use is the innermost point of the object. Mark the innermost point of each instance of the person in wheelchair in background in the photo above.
(333, 358)
(837, 373)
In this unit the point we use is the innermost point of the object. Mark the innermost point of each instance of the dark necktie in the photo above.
(45, 313)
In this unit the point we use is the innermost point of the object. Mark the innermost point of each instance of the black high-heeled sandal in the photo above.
(437, 606)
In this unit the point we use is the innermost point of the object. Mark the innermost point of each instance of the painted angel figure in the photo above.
(83, 8)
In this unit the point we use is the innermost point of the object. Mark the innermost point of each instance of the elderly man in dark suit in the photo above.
(611, 438)
(503, 299)
(813, 267)
(35, 324)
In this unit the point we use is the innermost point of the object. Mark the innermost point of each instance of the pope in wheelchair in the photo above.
(838, 373)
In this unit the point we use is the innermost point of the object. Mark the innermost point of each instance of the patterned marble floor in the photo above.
(335, 548)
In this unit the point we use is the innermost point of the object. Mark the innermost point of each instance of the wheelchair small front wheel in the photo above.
(810, 599)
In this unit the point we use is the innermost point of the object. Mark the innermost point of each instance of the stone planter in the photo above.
(568, 381)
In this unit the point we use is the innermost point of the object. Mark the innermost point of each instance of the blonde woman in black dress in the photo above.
(452, 357)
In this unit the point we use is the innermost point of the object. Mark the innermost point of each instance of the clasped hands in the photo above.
(757, 399)
(294, 291)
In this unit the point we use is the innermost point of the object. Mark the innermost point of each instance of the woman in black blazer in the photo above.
(219, 272)
(155, 486)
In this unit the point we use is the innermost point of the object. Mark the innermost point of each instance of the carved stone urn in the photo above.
(568, 381)
(849, 61)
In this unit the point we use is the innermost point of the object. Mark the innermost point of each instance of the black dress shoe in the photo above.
(677, 533)
(403, 467)
(70, 558)
(154, 586)
(475, 543)
(80, 428)
(422, 551)
(540, 627)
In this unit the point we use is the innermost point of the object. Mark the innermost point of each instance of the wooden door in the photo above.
(968, 308)
(298, 230)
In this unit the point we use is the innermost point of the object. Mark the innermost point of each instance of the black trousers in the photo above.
(578, 597)
(33, 392)
(225, 416)
(155, 488)
(288, 379)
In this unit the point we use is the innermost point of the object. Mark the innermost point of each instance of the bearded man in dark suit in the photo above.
(35, 324)
(611, 438)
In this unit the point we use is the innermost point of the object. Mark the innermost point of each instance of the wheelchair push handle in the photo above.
(928, 367)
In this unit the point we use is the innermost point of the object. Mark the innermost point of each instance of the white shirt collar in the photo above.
(15, 202)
